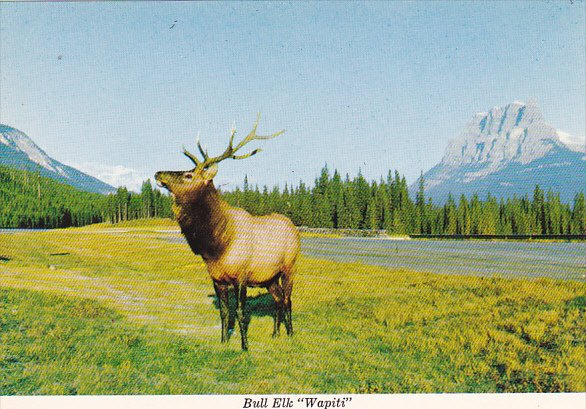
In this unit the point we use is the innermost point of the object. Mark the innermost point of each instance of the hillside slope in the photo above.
(18, 151)
(29, 200)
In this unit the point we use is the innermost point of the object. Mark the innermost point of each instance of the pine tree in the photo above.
(489, 216)
(463, 216)
(578, 220)
(335, 195)
(372, 214)
(421, 220)
(362, 196)
(147, 199)
(475, 215)
(538, 210)
(450, 217)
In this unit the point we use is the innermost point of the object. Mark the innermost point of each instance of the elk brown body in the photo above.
(240, 250)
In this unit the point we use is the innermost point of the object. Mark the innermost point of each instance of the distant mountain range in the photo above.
(19, 151)
(506, 152)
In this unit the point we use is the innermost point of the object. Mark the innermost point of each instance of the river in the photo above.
(565, 260)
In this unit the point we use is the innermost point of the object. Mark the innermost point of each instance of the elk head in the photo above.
(187, 186)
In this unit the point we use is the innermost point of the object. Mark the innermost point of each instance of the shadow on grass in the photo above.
(261, 305)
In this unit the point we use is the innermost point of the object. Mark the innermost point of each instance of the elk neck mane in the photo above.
(205, 223)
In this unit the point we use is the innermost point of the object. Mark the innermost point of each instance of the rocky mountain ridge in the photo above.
(19, 151)
(507, 151)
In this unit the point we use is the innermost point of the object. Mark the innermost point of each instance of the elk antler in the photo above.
(230, 151)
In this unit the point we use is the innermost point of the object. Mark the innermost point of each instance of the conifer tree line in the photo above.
(345, 203)
(28, 200)
(125, 205)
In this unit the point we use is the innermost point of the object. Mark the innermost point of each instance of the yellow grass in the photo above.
(358, 328)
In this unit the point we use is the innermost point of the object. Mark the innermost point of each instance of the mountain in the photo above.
(506, 152)
(17, 150)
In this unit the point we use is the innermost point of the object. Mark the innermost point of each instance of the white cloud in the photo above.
(116, 175)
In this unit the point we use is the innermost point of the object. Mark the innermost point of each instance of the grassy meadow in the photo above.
(118, 309)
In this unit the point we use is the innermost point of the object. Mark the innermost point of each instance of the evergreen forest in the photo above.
(28, 200)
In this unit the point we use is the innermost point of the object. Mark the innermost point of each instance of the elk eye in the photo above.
(188, 176)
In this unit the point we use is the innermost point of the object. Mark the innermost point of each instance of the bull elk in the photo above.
(239, 250)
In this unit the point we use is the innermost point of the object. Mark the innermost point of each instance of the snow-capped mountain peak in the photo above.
(576, 144)
(19, 151)
(508, 150)
(20, 142)
(516, 132)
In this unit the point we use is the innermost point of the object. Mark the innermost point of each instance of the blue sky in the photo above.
(117, 89)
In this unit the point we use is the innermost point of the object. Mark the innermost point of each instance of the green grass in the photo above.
(142, 224)
(57, 345)
(120, 310)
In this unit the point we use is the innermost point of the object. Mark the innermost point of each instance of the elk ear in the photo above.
(210, 172)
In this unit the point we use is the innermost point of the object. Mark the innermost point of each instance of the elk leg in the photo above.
(222, 294)
(287, 288)
(277, 292)
(240, 310)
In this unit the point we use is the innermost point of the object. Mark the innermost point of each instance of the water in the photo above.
(486, 258)
(483, 258)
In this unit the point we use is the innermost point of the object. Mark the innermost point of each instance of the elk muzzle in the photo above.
(168, 179)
